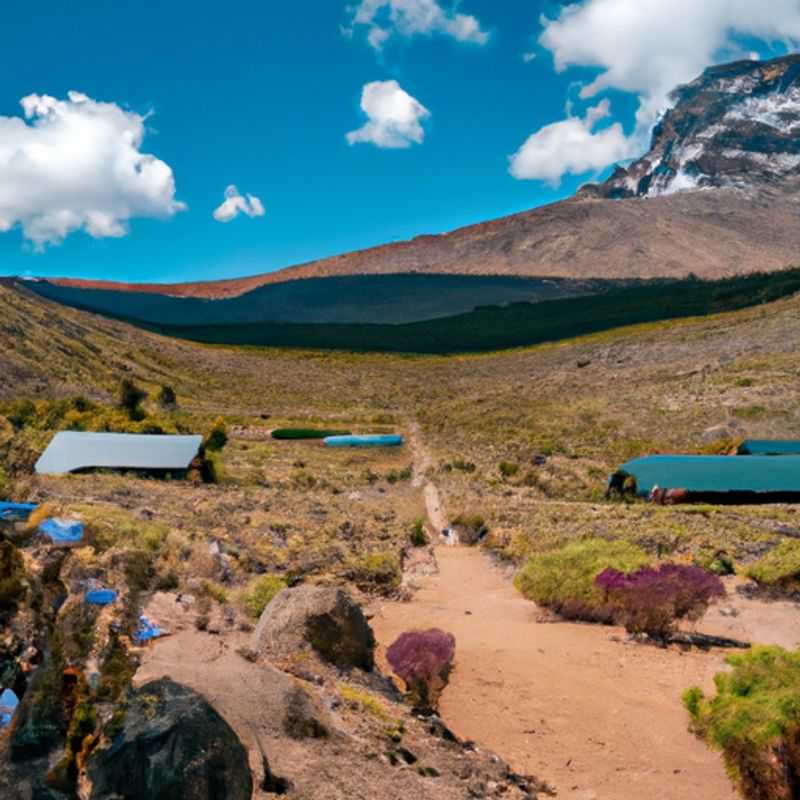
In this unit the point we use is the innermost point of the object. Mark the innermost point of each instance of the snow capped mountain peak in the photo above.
(737, 125)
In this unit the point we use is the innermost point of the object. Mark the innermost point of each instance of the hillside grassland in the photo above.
(558, 417)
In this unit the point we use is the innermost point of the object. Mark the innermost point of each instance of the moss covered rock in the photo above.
(173, 746)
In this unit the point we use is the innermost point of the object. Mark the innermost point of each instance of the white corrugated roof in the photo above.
(72, 450)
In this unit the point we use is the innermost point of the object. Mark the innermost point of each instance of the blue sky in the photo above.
(262, 94)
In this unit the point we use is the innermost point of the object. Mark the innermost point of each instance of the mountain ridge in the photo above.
(716, 195)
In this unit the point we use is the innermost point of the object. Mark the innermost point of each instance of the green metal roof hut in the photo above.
(712, 479)
(769, 447)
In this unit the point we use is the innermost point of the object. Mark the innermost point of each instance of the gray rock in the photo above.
(324, 619)
(173, 746)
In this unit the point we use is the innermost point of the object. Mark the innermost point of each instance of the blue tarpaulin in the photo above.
(16, 511)
(8, 707)
(62, 531)
(147, 630)
(101, 597)
(369, 440)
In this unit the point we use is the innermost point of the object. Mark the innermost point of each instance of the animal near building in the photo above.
(72, 451)
(713, 479)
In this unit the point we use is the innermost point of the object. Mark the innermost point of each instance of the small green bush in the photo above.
(564, 580)
(166, 397)
(780, 568)
(419, 537)
(12, 576)
(5, 484)
(508, 469)
(305, 433)
(217, 437)
(212, 470)
(260, 592)
(379, 571)
(131, 398)
(755, 721)
(716, 561)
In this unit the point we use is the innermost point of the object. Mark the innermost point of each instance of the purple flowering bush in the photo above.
(652, 599)
(423, 659)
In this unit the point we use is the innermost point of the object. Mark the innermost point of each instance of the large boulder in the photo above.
(319, 618)
(173, 746)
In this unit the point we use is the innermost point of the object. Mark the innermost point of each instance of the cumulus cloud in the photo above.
(648, 47)
(394, 117)
(235, 204)
(571, 146)
(76, 164)
(383, 19)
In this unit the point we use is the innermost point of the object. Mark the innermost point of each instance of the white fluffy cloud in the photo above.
(571, 146)
(76, 164)
(394, 117)
(235, 204)
(648, 47)
(386, 18)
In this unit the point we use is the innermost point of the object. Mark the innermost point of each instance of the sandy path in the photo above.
(598, 718)
(572, 704)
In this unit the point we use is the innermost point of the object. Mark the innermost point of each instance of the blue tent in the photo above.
(147, 630)
(714, 475)
(16, 511)
(8, 707)
(769, 447)
(62, 531)
(370, 440)
(101, 597)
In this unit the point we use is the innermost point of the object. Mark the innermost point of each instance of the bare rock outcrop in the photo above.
(322, 619)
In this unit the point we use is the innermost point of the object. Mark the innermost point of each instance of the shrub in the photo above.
(211, 470)
(780, 568)
(215, 591)
(508, 469)
(131, 398)
(564, 580)
(419, 537)
(378, 571)
(755, 721)
(166, 397)
(423, 659)
(217, 437)
(260, 593)
(363, 701)
(652, 599)
(21, 413)
(5, 483)
(717, 561)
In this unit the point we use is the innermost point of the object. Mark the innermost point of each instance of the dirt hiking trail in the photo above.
(576, 705)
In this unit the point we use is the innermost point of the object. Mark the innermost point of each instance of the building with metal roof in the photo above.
(731, 479)
(769, 447)
(70, 451)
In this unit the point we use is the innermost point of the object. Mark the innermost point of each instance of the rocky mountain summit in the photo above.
(735, 126)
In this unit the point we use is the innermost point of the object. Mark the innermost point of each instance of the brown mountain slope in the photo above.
(712, 233)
